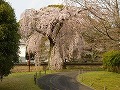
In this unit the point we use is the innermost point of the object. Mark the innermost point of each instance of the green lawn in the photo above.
(100, 80)
(22, 81)
(19, 81)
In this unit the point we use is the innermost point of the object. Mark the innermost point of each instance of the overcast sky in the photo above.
(20, 5)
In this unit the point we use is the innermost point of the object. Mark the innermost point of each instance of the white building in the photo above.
(22, 52)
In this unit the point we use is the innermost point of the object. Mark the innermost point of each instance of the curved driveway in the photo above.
(61, 81)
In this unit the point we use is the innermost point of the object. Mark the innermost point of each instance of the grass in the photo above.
(22, 81)
(19, 81)
(100, 80)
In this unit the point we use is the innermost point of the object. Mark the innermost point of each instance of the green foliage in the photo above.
(58, 6)
(9, 38)
(111, 60)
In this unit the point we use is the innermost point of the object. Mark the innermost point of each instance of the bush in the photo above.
(111, 61)
(9, 38)
(58, 6)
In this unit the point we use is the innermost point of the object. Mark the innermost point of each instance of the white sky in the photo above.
(20, 5)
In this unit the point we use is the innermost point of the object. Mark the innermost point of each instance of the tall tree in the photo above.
(55, 24)
(103, 16)
(9, 38)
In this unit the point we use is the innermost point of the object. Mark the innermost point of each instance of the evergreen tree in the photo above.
(9, 38)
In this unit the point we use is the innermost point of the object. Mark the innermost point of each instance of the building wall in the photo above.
(22, 52)
(25, 68)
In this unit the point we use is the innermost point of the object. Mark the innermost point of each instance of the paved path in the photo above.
(61, 81)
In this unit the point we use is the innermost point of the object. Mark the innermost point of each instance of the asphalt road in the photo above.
(61, 81)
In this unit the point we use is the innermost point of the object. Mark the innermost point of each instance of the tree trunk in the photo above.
(55, 61)
(51, 48)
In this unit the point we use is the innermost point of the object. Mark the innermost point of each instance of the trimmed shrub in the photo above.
(111, 61)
